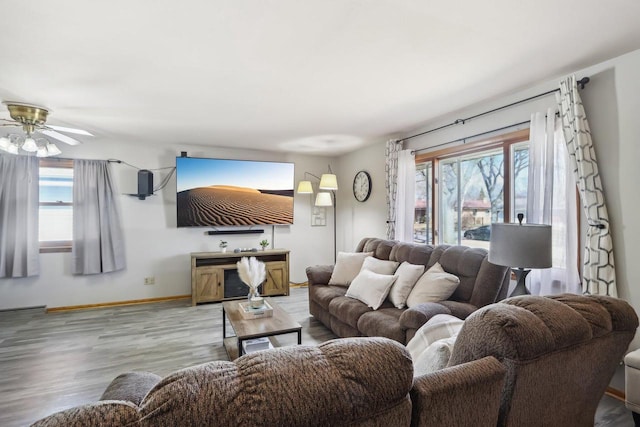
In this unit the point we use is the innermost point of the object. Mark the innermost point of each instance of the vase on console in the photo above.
(252, 273)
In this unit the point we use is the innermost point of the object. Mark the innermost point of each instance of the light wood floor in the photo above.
(50, 362)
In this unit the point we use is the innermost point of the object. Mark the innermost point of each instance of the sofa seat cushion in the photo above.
(348, 310)
(383, 322)
(324, 294)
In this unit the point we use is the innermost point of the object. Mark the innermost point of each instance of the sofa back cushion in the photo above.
(339, 382)
(566, 345)
(469, 264)
(463, 262)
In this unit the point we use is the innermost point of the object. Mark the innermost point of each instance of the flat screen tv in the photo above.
(222, 192)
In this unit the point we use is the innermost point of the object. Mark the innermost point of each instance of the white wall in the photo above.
(154, 246)
(361, 219)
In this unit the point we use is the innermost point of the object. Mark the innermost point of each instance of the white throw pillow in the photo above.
(348, 265)
(435, 357)
(408, 274)
(434, 285)
(432, 345)
(370, 288)
(379, 266)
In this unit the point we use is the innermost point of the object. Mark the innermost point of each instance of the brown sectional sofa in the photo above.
(481, 283)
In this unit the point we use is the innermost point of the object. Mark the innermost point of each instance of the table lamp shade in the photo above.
(520, 245)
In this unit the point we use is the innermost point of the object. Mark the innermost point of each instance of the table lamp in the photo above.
(521, 247)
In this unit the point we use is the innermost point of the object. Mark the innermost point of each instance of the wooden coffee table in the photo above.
(246, 329)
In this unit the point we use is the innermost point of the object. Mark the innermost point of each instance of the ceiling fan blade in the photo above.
(60, 137)
(69, 130)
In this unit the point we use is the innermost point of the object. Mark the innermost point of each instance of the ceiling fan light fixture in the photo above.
(13, 149)
(4, 143)
(52, 149)
(30, 145)
(42, 151)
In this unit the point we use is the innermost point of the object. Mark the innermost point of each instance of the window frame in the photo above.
(55, 246)
(504, 141)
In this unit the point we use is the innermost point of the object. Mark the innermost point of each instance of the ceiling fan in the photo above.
(32, 119)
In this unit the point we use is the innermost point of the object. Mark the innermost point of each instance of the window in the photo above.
(56, 205)
(460, 191)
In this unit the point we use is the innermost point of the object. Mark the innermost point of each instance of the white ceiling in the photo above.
(315, 76)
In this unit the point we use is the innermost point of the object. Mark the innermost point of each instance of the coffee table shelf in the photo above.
(245, 329)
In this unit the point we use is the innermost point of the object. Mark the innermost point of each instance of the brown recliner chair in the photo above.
(560, 353)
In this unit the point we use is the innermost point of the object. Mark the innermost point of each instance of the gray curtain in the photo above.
(98, 244)
(599, 275)
(19, 203)
(391, 184)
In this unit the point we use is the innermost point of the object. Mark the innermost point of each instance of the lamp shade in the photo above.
(304, 187)
(328, 181)
(52, 149)
(30, 145)
(323, 199)
(520, 245)
(4, 143)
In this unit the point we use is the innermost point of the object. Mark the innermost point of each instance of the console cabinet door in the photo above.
(277, 280)
(209, 284)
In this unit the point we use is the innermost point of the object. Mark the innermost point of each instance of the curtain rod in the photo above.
(471, 136)
(582, 83)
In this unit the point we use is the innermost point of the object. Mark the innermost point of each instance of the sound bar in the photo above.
(252, 231)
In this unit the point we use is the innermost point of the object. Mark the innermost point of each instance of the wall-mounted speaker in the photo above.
(145, 183)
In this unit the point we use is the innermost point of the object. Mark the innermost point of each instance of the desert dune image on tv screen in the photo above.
(219, 192)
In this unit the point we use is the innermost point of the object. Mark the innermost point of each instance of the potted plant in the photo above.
(264, 243)
(223, 246)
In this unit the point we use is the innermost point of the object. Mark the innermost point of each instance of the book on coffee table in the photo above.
(249, 312)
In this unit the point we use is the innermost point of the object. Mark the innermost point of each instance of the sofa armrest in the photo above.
(106, 413)
(415, 317)
(131, 387)
(459, 309)
(319, 274)
(462, 395)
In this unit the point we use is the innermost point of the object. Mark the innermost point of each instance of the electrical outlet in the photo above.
(150, 280)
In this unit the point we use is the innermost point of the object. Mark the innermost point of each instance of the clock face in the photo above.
(362, 186)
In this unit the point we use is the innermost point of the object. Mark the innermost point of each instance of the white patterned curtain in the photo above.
(19, 203)
(98, 244)
(599, 276)
(405, 196)
(390, 184)
(551, 200)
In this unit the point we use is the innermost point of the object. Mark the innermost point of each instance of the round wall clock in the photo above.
(362, 186)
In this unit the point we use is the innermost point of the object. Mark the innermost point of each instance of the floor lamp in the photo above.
(328, 181)
(521, 247)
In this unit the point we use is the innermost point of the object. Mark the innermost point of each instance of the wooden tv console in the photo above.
(210, 269)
